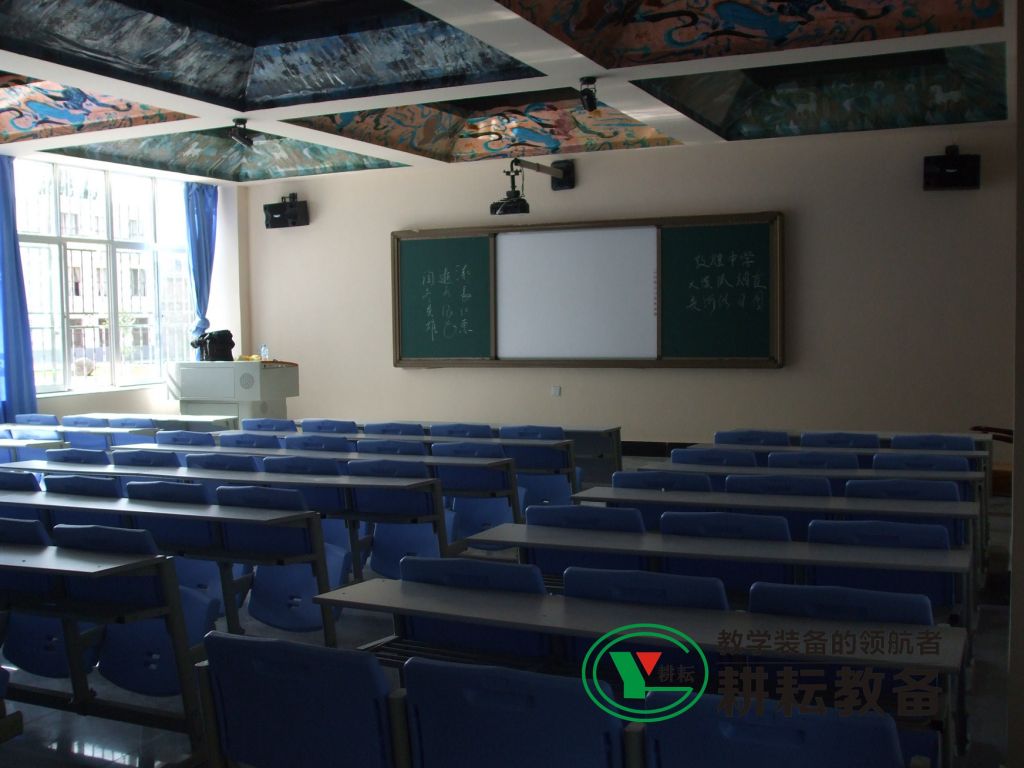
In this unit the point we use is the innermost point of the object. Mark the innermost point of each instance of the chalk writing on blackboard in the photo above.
(446, 297)
(725, 282)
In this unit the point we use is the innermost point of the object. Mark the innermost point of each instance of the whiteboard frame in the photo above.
(774, 359)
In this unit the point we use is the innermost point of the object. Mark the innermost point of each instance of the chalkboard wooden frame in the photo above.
(773, 359)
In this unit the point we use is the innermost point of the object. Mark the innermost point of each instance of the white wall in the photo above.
(899, 303)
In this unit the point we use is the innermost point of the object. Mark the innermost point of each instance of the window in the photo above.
(106, 275)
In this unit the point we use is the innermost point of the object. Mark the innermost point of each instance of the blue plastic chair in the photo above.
(659, 481)
(84, 485)
(529, 457)
(545, 489)
(269, 425)
(938, 587)
(318, 441)
(464, 573)
(393, 541)
(38, 419)
(249, 440)
(77, 455)
(132, 422)
(329, 425)
(466, 716)
(920, 490)
(137, 656)
(332, 704)
(84, 421)
(392, 447)
(839, 440)
(282, 595)
(720, 457)
(21, 481)
(932, 442)
(393, 428)
(779, 485)
(553, 562)
(144, 458)
(326, 501)
(752, 437)
(473, 514)
(221, 462)
(711, 737)
(840, 604)
(923, 462)
(183, 437)
(816, 460)
(455, 429)
(646, 588)
(737, 576)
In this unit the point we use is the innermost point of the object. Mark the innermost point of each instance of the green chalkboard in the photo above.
(443, 299)
(720, 295)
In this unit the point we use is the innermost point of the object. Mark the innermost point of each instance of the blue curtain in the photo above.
(17, 376)
(201, 212)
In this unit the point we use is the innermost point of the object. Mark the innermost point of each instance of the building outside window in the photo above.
(106, 275)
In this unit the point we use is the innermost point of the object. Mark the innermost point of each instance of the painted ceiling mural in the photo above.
(623, 33)
(550, 122)
(37, 109)
(937, 87)
(255, 55)
(214, 154)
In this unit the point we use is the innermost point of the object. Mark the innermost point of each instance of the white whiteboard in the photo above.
(577, 293)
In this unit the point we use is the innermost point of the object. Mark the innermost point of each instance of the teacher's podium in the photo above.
(246, 389)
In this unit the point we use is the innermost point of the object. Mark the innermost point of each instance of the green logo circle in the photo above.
(634, 681)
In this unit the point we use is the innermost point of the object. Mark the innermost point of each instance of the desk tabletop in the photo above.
(887, 435)
(213, 420)
(653, 544)
(18, 428)
(15, 442)
(977, 453)
(837, 474)
(249, 478)
(592, 618)
(839, 505)
(563, 444)
(433, 461)
(215, 513)
(62, 561)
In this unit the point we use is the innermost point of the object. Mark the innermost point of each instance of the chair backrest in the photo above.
(160, 490)
(646, 587)
(468, 449)
(472, 574)
(751, 437)
(18, 481)
(932, 442)
(662, 481)
(144, 458)
(712, 735)
(588, 518)
(393, 428)
(531, 432)
(384, 501)
(726, 525)
(534, 457)
(104, 538)
(264, 687)
(387, 468)
(392, 447)
(47, 419)
(926, 490)
(132, 422)
(778, 485)
(879, 533)
(813, 460)
(83, 421)
(184, 437)
(329, 425)
(269, 425)
(470, 478)
(77, 455)
(839, 603)
(301, 465)
(260, 497)
(839, 440)
(249, 440)
(723, 457)
(927, 462)
(36, 433)
(131, 588)
(17, 531)
(318, 441)
(461, 430)
(464, 715)
(86, 485)
(225, 462)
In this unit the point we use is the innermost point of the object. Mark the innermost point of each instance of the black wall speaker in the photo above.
(290, 212)
(952, 170)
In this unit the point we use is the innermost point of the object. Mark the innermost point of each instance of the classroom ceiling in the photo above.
(331, 86)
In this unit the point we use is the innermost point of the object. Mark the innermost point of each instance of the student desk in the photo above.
(505, 464)
(794, 553)
(63, 562)
(14, 445)
(344, 483)
(190, 421)
(214, 514)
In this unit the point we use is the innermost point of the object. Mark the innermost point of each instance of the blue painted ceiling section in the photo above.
(255, 55)
(935, 87)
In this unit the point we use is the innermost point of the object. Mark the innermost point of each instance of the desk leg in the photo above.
(439, 524)
(74, 647)
(323, 582)
(573, 478)
(355, 547)
(230, 592)
(182, 656)
(513, 486)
